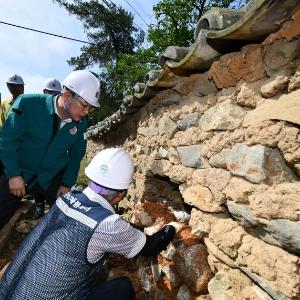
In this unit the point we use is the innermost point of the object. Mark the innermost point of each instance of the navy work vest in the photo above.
(51, 263)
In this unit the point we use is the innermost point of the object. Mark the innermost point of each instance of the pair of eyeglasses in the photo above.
(84, 105)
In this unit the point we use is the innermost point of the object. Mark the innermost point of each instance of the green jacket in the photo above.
(26, 147)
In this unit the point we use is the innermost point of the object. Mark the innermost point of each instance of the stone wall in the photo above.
(220, 152)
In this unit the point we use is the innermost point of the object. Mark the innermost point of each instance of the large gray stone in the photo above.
(262, 283)
(280, 232)
(242, 213)
(167, 126)
(286, 232)
(190, 156)
(258, 164)
(248, 162)
(223, 116)
(219, 160)
(187, 120)
(234, 285)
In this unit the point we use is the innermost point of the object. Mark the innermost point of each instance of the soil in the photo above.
(121, 266)
(15, 240)
(158, 211)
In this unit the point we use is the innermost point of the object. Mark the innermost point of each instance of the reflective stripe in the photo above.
(76, 215)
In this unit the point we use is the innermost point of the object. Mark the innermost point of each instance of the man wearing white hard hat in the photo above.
(71, 242)
(52, 86)
(43, 141)
(15, 85)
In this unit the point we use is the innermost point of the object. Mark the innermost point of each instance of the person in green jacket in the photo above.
(15, 84)
(43, 141)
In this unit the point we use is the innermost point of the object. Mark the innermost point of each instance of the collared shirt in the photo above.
(62, 122)
(113, 235)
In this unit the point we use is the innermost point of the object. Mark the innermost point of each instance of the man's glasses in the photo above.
(86, 107)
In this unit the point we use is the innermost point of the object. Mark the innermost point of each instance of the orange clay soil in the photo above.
(157, 210)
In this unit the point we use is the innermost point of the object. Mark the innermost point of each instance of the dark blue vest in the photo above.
(51, 263)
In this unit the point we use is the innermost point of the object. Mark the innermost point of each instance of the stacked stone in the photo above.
(229, 139)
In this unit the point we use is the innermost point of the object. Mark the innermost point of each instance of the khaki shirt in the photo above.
(5, 107)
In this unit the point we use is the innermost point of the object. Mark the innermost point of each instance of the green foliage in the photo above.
(132, 68)
(176, 21)
(108, 26)
(117, 49)
(81, 178)
(235, 4)
(111, 30)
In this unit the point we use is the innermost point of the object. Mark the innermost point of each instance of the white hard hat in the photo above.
(111, 168)
(15, 79)
(53, 84)
(84, 84)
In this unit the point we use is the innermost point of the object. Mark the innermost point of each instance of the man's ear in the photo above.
(119, 196)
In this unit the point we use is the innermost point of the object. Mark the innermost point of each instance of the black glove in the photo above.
(158, 241)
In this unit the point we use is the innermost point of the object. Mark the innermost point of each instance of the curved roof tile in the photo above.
(253, 22)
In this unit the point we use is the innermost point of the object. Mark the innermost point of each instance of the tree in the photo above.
(177, 19)
(117, 48)
(132, 68)
(111, 31)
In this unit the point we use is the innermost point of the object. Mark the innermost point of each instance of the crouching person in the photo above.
(61, 256)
